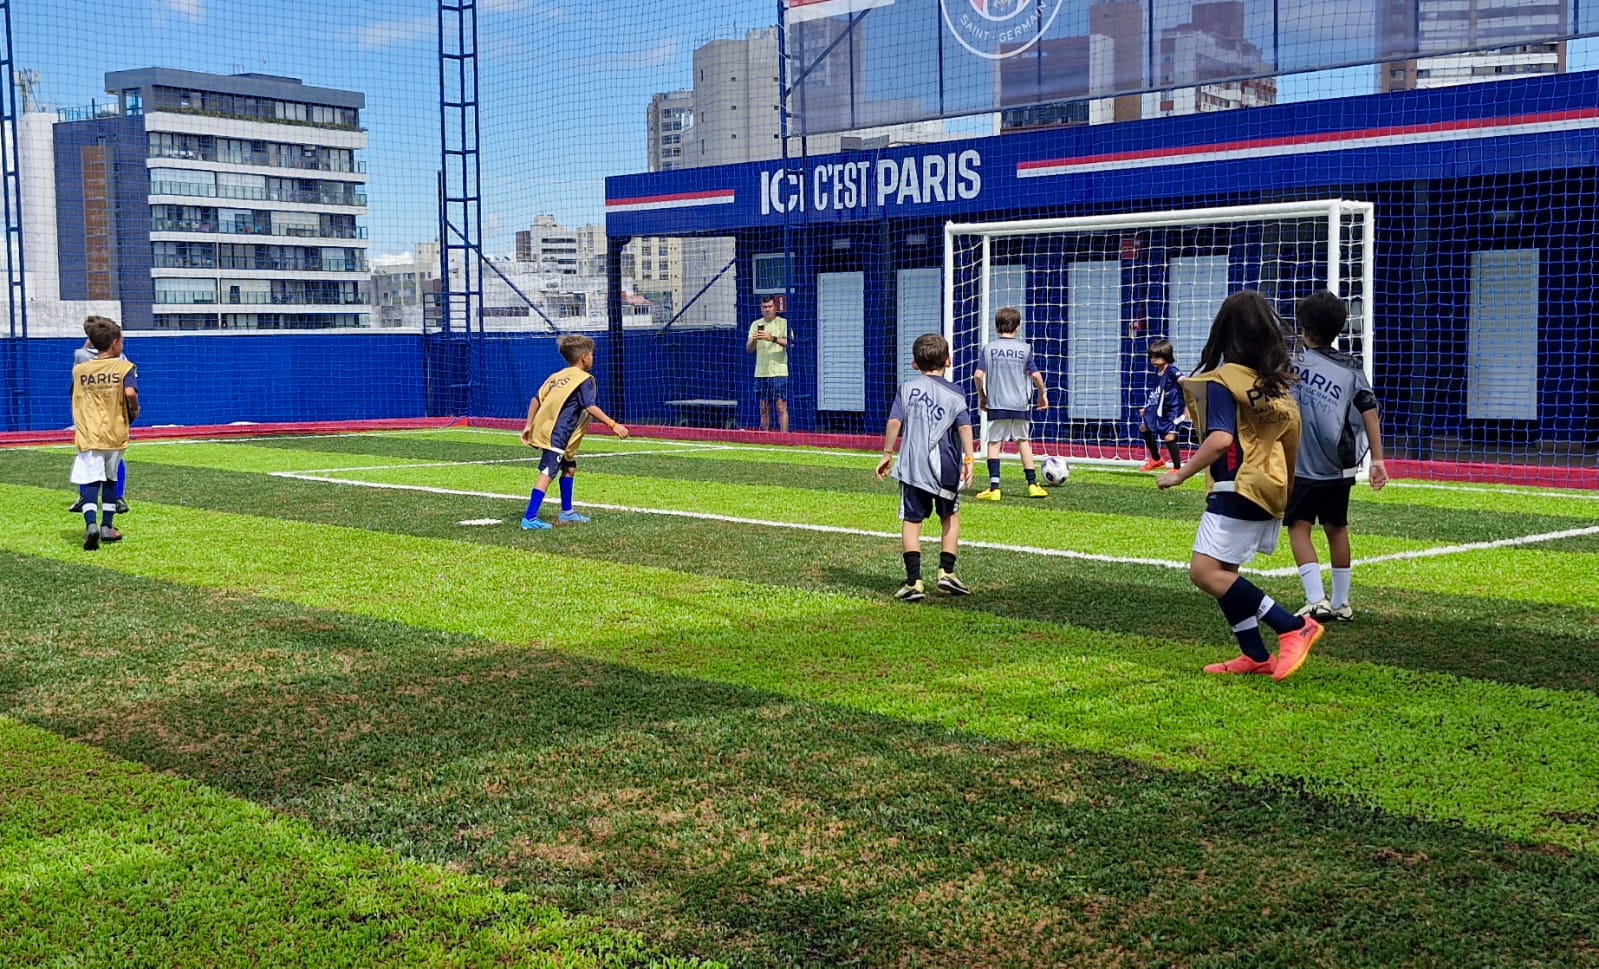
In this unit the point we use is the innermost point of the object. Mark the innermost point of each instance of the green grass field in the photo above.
(302, 716)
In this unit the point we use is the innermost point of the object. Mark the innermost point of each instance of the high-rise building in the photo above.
(1476, 41)
(1207, 64)
(208, 201)
(671, 121)
(550, 246)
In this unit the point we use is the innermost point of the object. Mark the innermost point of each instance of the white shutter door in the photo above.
(1502, 335)
(1007, 286)
(841, 341)
(921, 310)
(1094, 341)
(1198, 288)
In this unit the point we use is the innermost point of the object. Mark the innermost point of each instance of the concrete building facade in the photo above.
(208, 201)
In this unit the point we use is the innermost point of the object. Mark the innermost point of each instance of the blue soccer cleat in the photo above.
(573, 518)
(535, 524)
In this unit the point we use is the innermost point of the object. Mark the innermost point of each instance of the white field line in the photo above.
(453, 464)
(734, 520)
(1277, 573)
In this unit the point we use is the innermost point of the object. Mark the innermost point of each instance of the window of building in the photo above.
(770, 272)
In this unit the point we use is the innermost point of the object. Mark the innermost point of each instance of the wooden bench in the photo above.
(705, 412)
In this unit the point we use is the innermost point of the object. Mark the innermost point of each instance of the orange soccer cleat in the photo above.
(1240, 664)
(1153, 464)
(1292, 648)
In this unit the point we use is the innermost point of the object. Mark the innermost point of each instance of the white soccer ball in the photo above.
(1056, 470)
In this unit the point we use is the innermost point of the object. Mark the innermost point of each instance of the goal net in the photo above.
(1096, 292)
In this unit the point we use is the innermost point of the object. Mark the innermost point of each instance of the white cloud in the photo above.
(192, 9)
(383, 34)
(648, 59)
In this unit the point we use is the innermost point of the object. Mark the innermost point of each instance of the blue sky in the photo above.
(564, 83)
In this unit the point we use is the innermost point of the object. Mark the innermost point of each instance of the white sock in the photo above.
(1310, 578)
(1341, 579)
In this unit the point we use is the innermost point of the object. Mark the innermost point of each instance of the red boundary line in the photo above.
(1523, 475)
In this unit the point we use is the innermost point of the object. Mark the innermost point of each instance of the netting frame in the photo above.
(1332, 210)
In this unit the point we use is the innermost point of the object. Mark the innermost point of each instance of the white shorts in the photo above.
(1236, 540)
(93, 467)
(1010, 429)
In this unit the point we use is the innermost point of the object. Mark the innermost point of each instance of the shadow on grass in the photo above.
(739, 824)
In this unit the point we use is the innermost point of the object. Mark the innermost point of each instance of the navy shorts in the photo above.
(916, 505)
(1159, 425)
(771, 388)
(553, 463)
(1323, 501)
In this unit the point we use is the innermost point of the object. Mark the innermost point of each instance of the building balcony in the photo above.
(208, 299)
(258, 159)
(251, 194)
(245, 229)
(343, 265)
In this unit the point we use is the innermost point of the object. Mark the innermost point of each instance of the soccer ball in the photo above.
(1056, 471)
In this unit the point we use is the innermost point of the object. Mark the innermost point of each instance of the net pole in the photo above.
(1335, 248)
(984, 310)
(949, 289)
(1368, 290)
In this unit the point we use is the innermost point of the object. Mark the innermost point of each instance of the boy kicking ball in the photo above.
(935, 463)
(556, 420)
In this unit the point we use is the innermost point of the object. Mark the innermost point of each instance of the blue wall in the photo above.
(218, 380)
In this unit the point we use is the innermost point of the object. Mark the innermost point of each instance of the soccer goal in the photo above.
(1095, 292)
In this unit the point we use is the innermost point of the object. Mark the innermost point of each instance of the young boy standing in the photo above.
(84, 354)
(934, 464)
(1006, 378)
(105, 400)
(556, 420)
(1164, 408)
(1339, 413)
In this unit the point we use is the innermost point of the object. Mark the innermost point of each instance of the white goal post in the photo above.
(1095, 291)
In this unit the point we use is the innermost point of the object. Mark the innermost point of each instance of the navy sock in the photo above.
(122, 479)
(993, 472)
(946, 561)
(108, 503)
(1149, 442)
(913, 567)
(88, 494)
(1176, 451)
(1239, 604)
(566, 493)
(1032, 475)
(533, 503)
(1278, 618)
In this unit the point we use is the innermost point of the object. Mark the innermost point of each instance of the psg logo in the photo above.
(997, 29)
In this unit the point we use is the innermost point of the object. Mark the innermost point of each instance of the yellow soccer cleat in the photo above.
(1036, 491)
(992, 494)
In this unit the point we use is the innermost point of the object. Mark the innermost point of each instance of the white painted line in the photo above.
(1427, 553)
(1276, 573)
(1407, 483)
(482, 521)
(461, 464)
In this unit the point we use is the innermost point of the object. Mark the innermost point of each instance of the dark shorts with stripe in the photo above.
(916, 505)
(1323, 501)
(553, 463)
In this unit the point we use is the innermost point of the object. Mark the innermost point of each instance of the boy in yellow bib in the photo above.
(556, 420)
(105, 400)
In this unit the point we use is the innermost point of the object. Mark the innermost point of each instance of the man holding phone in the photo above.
(768, 340)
